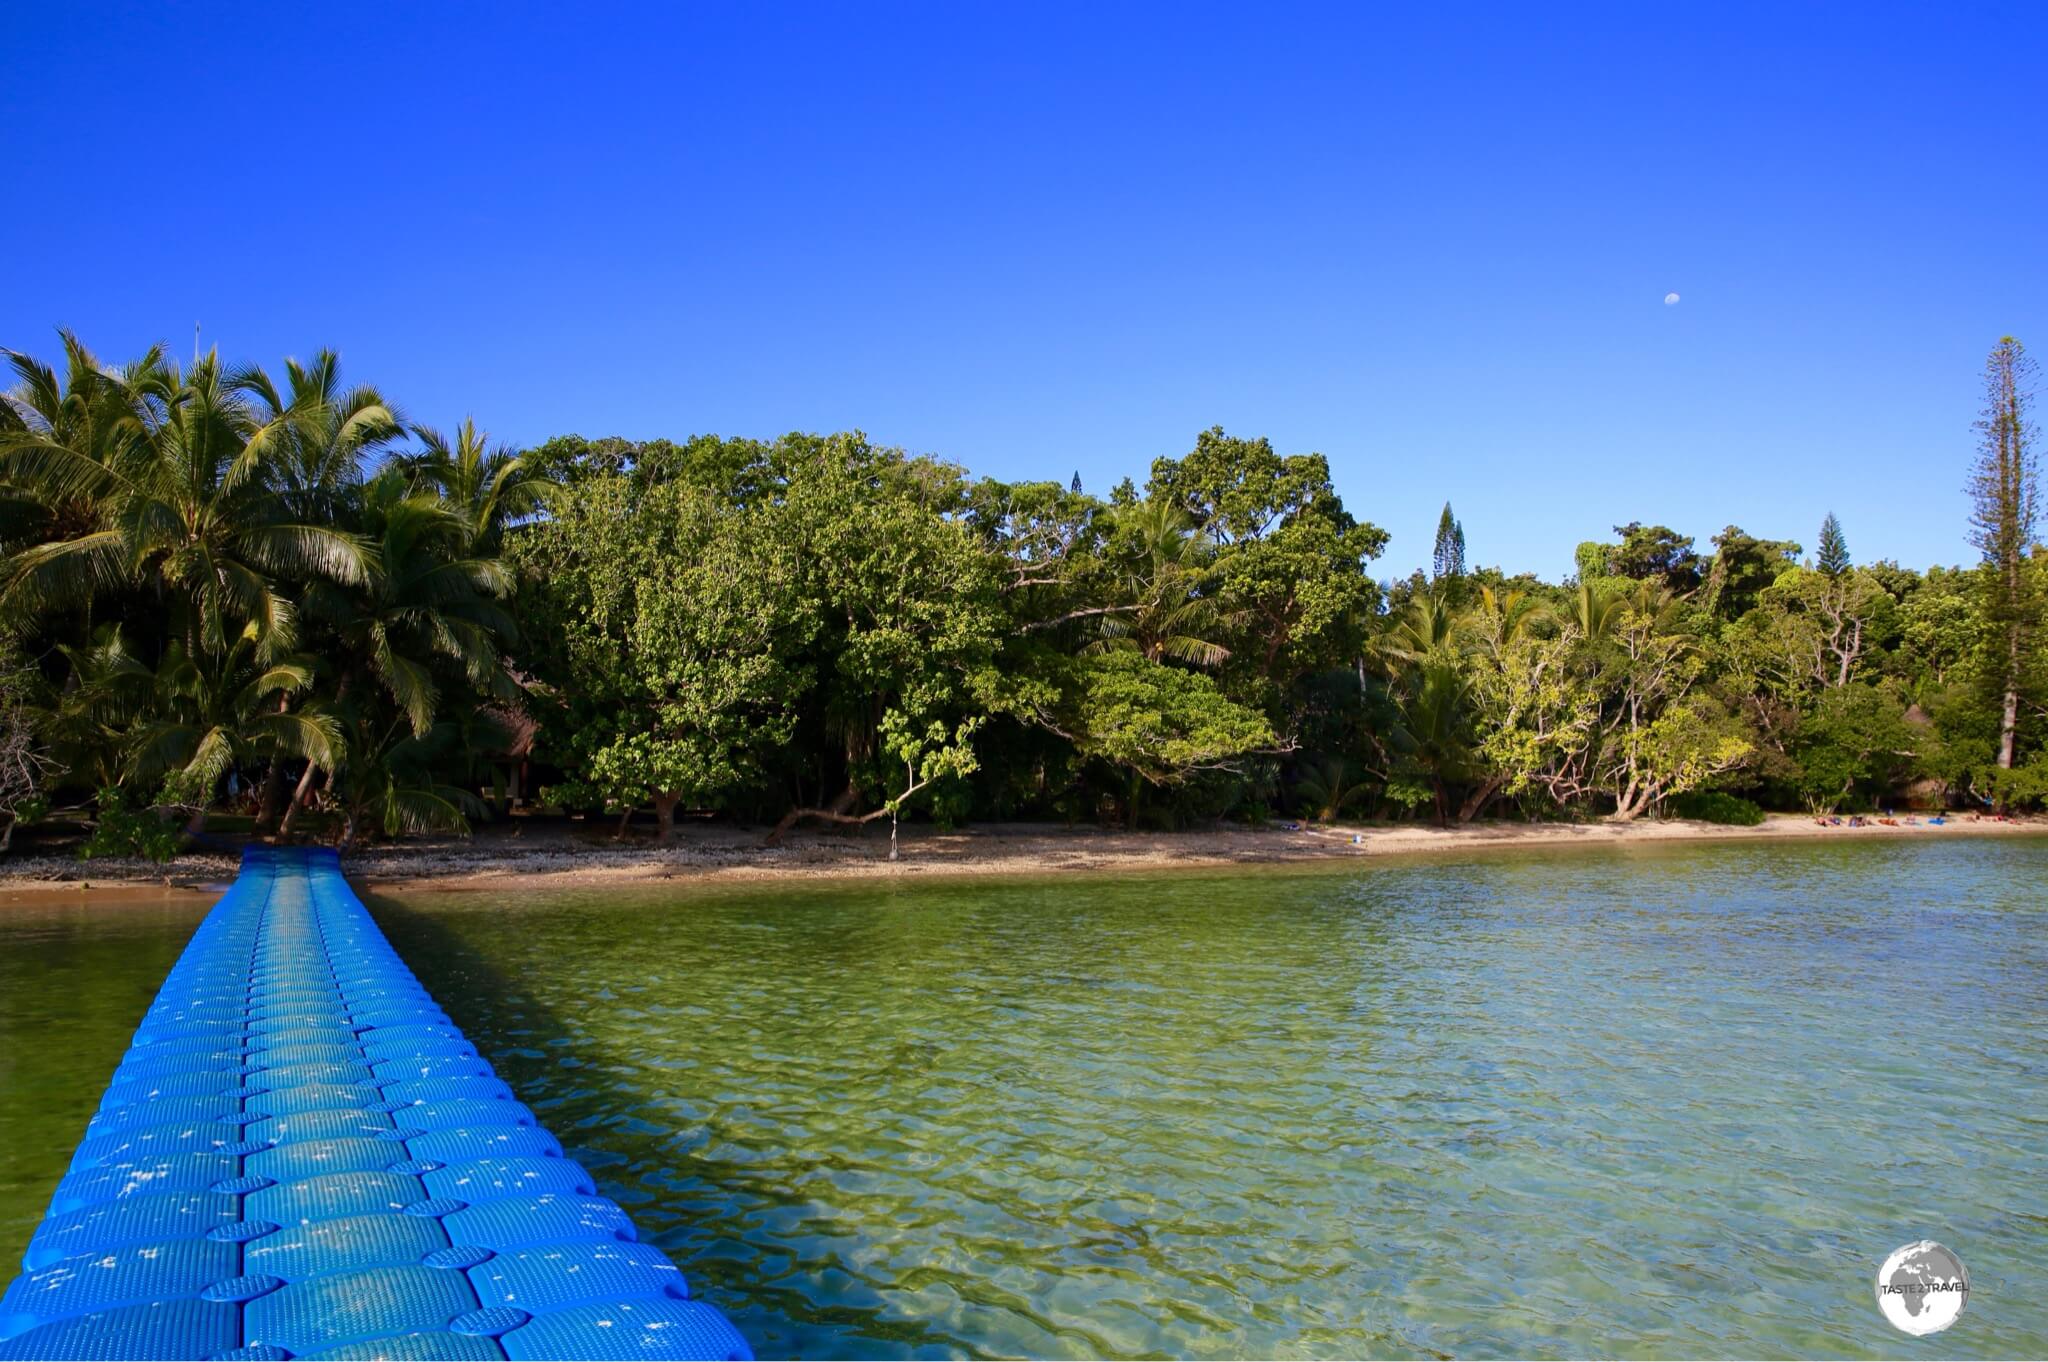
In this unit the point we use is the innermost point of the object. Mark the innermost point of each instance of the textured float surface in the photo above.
(301, 1157)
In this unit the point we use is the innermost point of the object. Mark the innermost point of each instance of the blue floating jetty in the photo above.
(301, 1157)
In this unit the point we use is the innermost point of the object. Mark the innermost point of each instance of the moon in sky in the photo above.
(1671, 300)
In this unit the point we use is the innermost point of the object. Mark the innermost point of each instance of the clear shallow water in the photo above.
(75, 979)
(1661, 1103)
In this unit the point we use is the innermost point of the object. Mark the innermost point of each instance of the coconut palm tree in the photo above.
(87, 720)
(154, 477)
(1426, 629)
(216, 711)
(429, 600)
(392, 785)
(430, 605)
(1504, 616)
(63, 443)
(492, 485)
(1327, 789)
(315, 435)
(1596, 610)
(1162, 563)
(1435, 729)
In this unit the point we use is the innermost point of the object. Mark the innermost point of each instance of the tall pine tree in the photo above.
(1449, 560)
(2005, 490)
(1833, 558)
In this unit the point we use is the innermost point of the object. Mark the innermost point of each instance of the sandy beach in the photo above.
(535, 854)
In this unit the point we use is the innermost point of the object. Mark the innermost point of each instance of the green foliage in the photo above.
(1855, 744)
(2022, 787)
(1741, 569)
(278, 610)
(1716, 806)
(121, 831)
(1433, 739)
(674, 627)
(213, 712)
(1958, 736)
(1160, 722)
(1813, 632)
(25, 764)
(1651, 553)
(1327, 789)
(396, 784)
(697, 637)
(1289, 574)
(1409, 794)
(1941, 627)
(212, 582)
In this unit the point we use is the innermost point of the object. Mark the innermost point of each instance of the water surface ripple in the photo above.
(1658, 1103)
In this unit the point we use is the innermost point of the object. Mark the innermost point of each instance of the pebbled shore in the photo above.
(536, 854)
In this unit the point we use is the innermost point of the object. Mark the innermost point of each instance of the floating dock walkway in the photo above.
(301, 1157)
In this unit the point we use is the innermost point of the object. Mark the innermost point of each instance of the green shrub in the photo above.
(1717, 806)
(2021, 787)
(122, 831)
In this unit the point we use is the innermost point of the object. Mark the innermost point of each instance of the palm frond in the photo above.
(288, 678)
(309, 551)
(162, 746)
(63, 573)
(409, 684)
(55, 471)
(1194, 651)
(38, 398)
(308, 734)
(413, 810)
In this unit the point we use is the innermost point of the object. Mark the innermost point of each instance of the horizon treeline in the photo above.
(226, 595)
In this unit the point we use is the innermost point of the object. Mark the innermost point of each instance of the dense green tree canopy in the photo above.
(224, 593)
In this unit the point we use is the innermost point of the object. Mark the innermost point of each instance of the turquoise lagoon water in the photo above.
(1654, 1102)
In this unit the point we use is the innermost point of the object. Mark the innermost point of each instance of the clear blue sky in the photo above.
(1433, 246)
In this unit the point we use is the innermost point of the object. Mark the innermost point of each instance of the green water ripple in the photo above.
(1668, 1103)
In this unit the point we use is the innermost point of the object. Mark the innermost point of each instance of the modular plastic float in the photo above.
(301, 1157)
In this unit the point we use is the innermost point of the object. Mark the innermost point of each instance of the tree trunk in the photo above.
(273, 782)
(665, 815)
(892, 808)
(1481, 797)
(305, 789)
(834, 811)
(2009, 721)
(273, 795)
(299, 798)
(1630, 803)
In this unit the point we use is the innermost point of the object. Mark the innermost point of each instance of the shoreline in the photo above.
(563, 855)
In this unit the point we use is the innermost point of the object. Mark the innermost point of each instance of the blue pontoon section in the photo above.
(301, 1157)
